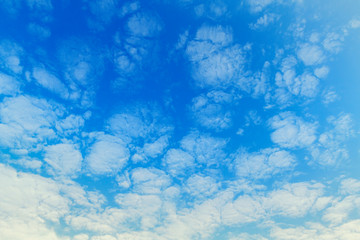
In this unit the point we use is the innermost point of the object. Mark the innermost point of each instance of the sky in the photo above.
(179, 120)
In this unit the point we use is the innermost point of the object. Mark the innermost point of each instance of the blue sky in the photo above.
(179, 119)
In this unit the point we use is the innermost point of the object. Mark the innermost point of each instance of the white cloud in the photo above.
(293, 200)
(310, 54)
(26, 121)
(156, 148)
(178, 162)
(215, 62)
(329, 96)
(264, 21)
(30, 205)
(322, 72)
(244, 209)
(340, 210)
(347, 231)
(8, 85)
(291, 131)
(40, 32)
(107, 155)
(139, 122)
(333, 42)
(10, 56)
(144, 25)
(350, 186)
(263, 164)
(142, 209)
(149, 181)
(129, 8)
(201, 187)
(64, 158)
(330, 150)
(210, 114)
(104, 11)
(354, 23)
(40, 5)
(258, 5)
(71, 124)
(49, 81)
(204, 148)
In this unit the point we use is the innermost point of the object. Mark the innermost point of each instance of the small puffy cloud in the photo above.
(143, 210)
(310, 54)
(178, 162)
(38, 31)
(293, 200)
(263, 164)
(244, 209)
(144, 25)
(215, 62)
(8, 85)
(258, 5)
(103, 11)
(329, 96)
(27, 121)
(333, 42)
(350, 186)
(211, 9)
(330, 149)
(71, 124)
(341, 210)
(156, 148)
(354, 23)
(264, 21)
(149, 181)
(10, 56)
(107, 155)
(49, 81)
(322, 72)
(211, 114)
(139, 122)
(204, 148)
(64, 158)
(291, 131)
(40, 5)
(201, 187)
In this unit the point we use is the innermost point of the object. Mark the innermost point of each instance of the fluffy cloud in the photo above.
(107, 155)
(264, 21)
(310, 54)
(215, 61)
(140, 122)
(211, 112)
(305, 85)
(8, 85)
(330, 148)
(291, 131)
(149, 181)
(350, 186)
(263, 164)
(178, 162)
(204, 148)
(26, 121)
(64, 158)
(29, 205)
(258, 5)
(346, 231)
(11, 56)
(49, 81)
(144, 25)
